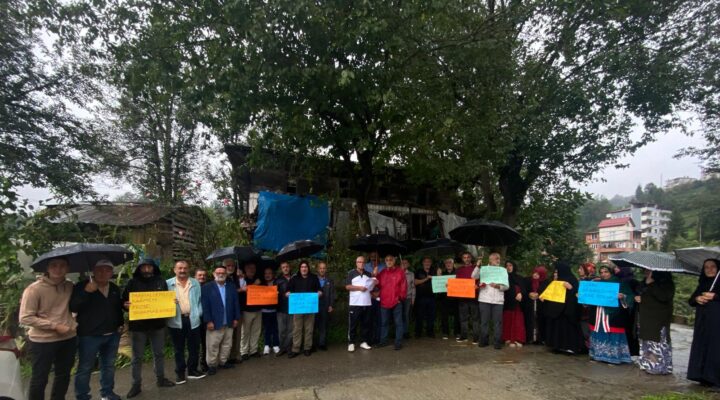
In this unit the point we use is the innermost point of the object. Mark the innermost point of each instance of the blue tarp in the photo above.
(285, 218)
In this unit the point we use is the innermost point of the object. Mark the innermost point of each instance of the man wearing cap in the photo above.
(201, 277)
(184, 327)
(146, 278)
(221, 312)
(99, 310)
(44, 308)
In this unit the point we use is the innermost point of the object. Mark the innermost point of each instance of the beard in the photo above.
(147, 275)
(220, 279)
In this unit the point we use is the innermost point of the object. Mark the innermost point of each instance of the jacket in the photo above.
(656, 309)
(282, 283)
(44, 305)
(308, 284)
(393, 286)
(97, 315)
(140, 284)
(328, 294)
(195, 305)
(212, 304)
(489, 294)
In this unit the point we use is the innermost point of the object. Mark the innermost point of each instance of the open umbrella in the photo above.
(298, 249)
(380, 242)
(693, 257)
(652, 260)
(265, 262)
(83, 256)
(241, 253)
(440, 247)
(485, 233)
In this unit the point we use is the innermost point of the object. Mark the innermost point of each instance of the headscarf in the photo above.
(513, 277)
(542, 276)
(515, 281)
(624, 289)
(565, 273)
(704, 282)
(625, 274)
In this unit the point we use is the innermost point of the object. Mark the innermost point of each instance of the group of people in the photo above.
(215, 328)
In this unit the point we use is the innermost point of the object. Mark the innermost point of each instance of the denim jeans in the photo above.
(61, 355)
(396, 314)
(89, 348)
(157, 343)
(183, 338)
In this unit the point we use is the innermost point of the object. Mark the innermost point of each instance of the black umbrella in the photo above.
(380, 242)
(694, 257)
(241, 253)
(298, 249)
(485, 233)
(83, 256)
(440, 247)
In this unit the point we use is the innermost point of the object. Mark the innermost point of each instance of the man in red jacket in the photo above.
(393, 291)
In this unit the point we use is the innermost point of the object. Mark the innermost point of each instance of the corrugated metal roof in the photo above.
(606, 223)
(113, 214)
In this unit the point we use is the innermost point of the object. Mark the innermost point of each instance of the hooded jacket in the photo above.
(140, 284)
(44, 305)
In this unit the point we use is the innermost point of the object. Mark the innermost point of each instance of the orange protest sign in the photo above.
(262, 295)
(460, 287)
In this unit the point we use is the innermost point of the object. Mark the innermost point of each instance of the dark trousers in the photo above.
(61, 356)
(270, 328)
(375, 322)
(183, 338)
(468, 311)
(359, 315)
(424, 316)
(396, 314)
(285, 328)
(157, 344)
(407, 305)
(89, 349)
(322, 318)
(491, 312)
(203, 346)
(449, 309)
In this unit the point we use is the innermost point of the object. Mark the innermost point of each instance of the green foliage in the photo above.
(679, 396)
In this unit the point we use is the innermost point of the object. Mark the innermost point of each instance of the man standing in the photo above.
(448, 305)
(359, 284)
(373, 267)
(232, 277)
(221, 312)
(185, 326)
(44, 309)
(326, 303)
(201, 277)
(468, 308)
(393, 290)
(491, 299)
(303, 282)
(146, 278)
(99, 308)
(252, 316)
(424, 300)
(285, 320)
(410, 299)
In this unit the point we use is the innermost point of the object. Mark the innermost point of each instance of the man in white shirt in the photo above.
(359, 284)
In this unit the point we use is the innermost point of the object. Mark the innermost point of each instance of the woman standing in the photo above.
(704, 364)
(269, 317)
(608, 342)
(562, 320)
(655, 303)
(513, 321)
(534, 320)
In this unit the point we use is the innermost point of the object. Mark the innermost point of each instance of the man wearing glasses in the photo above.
(393, 291)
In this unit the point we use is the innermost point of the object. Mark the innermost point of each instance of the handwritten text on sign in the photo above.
(439, 283)
(149, 305)
(555, 292)
(461, 288)
(599, 293)
(303, 303)
(262, 295)
(492, 274)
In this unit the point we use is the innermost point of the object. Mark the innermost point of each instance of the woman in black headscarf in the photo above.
(655, 304)
(626, 275)
(513, 321)
(562, 320)
(704, 364)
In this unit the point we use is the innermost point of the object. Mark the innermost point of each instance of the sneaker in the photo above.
(134, 391)
(212, 371)
(511, 344)
(381, 344)
(445, 337)
(276, 349)
(195, 375)
(457, 338)
(111, 396)
(266, 350)
(518, 344)
(351, 347)
(475, 342)
(180, 379)
(365, 346)
(292, 354)
(461, 339)
(227, 366)
(165, 382)
(280, 353)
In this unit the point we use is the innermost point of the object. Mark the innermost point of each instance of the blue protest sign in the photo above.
(303, 303)
(599, 293)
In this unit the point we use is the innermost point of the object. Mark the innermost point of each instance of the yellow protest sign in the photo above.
(554, 292)
(148, 305)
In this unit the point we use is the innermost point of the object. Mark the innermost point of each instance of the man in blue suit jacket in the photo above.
(221, 312)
